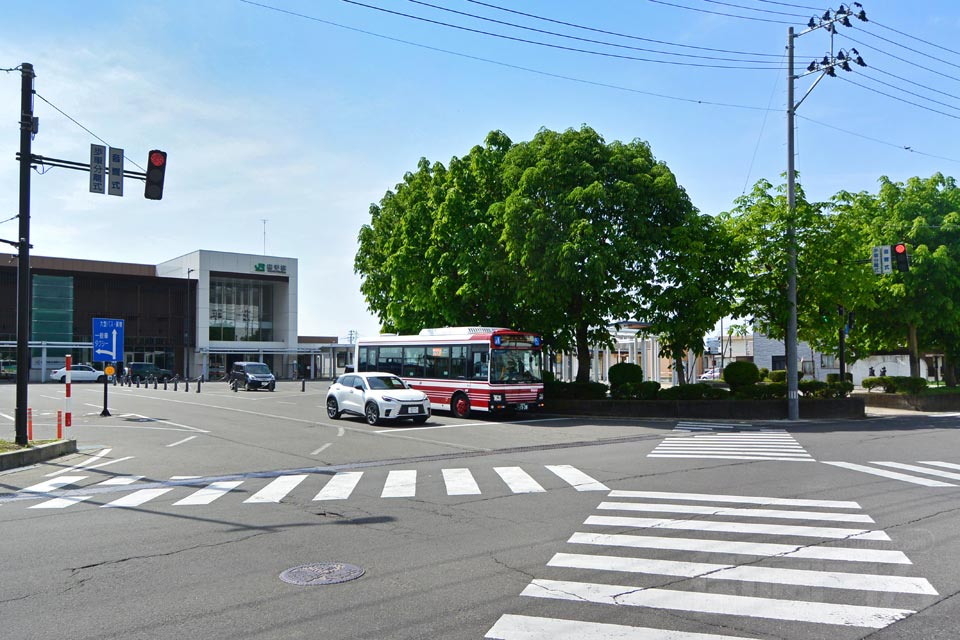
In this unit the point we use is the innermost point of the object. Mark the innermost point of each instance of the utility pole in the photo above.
(826, 67)
(27, 129)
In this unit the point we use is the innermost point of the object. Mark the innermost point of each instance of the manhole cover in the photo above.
(321, 573)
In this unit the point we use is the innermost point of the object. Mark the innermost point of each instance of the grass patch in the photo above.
(7, 447)
(941, 391)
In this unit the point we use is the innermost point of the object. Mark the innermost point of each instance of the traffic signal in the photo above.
(900, 257)
(156, 167)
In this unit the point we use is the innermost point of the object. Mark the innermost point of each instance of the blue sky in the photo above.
(305, 113)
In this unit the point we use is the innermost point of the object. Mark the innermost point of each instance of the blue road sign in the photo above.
(107, 340)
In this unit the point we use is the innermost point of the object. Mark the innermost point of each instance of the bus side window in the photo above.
(458, 362)
(479, 365)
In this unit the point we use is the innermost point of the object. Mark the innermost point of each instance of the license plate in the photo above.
(413, 410)
(522, 407)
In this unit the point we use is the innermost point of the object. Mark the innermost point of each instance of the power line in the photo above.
(903, 46)
(877, 140)
(923, 86)
(740, 6)
(505, 64)
(790, 4)
(949, 115)
(620, 35)
(601, 42)
(720, 13)
(912, 93)
(896, 57)
(14, 217)
(932, 44)
(546, 44)
(84, 128)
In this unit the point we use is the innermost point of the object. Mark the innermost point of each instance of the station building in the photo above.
(194, 315)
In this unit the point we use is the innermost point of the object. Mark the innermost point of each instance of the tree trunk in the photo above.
(914, 355)
(949, 371)
(583, 354)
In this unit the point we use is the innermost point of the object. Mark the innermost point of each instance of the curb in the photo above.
(36, 454)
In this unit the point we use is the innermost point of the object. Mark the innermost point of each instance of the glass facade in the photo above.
(241, 310)
(51, 316)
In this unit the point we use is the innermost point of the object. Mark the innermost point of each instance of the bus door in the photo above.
(480, 364)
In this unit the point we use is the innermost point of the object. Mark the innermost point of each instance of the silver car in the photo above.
(79, 373)
(376, 397)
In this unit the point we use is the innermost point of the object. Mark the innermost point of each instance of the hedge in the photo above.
(624, 373)
(575, 390)
(895, 384)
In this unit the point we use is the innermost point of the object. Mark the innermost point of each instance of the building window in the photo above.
(241, 310)
(778, 363)
(828, 361)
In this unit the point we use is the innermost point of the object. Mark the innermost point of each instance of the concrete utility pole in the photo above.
(27, 129)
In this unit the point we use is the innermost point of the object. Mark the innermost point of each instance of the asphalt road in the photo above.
(181, 511)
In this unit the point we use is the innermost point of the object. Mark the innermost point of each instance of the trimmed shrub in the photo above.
(884, 383)
(812, 388)
(778, 375)
(636, 391)
(648, 390)
(714, 392)
(624, 373)
(765, 391)
(906, 384)
(765, 373)
(740, 374)
(838, 389)
(835, 377)
(575, 390)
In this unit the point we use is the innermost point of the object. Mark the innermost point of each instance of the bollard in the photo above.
(175, 380)
(199, 380)
(29, 424)
(138, 383)
(59, 425)
(154, 383)
(235, 385)
(186, 384)
(303, 385)
(164, 384)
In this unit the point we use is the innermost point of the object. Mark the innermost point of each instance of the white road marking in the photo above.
(578, 479)
(739, 527)
(137, 498)
(514, 627)
(720, 456)
(742, 513)
(893, 475)
(460, 482)
(60, 503)
(794, 610)
(913, 467)
(52, 485)
(711, 497)
(518, 480)
(340, 432)
(400, 484)
(320, 450)
(107, 463)
(769, 575)
(340, 486)
(209, 493)
(763, 549)
(946, 465)
(179, 442)
(277, 490)
(85, 463)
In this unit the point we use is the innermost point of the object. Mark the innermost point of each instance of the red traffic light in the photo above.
(900, 248)
(159, 158)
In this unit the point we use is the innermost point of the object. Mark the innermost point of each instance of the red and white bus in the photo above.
(463, 369)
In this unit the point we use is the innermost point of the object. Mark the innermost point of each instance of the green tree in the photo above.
(583, 223)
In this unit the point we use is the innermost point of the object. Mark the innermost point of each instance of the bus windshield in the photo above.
(515, 365)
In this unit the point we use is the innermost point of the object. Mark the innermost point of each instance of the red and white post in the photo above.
(66, 405)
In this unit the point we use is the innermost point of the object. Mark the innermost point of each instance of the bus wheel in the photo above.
(460, 405)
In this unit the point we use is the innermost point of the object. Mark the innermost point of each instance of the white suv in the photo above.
(376, 397)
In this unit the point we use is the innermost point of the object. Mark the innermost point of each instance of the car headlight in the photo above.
(389, 399)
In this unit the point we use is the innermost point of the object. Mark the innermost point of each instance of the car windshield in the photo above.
(258, 369)
(515, 365)
(386, 382)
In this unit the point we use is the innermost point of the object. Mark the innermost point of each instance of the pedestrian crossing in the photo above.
(70, 490)
(919, 474)
(720, 569)
(757, 444)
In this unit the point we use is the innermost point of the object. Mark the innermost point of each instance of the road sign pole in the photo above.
(106, 412)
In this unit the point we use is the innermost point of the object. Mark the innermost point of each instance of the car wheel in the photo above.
(420, 419)
(63, 379)
(460, 405)
(372, 413)
(247, 387)
(101, 378)
(271, 387)
(333, 409)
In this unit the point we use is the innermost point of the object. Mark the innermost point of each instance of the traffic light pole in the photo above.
(23, 259)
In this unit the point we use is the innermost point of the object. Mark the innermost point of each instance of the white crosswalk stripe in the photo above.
(771, 444)
(893, 475)
(799, 594)
(61, 492)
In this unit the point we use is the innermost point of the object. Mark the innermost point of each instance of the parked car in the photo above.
(252, 375)
(711, 374)
(147, 370)
(376, 396)
(8, 369)
(79, 373)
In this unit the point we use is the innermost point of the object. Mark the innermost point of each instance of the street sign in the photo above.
(107, 340)
(98, 163)
(882, 261)
(115, 181)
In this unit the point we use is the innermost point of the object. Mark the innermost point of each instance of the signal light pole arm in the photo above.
(77, 166)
